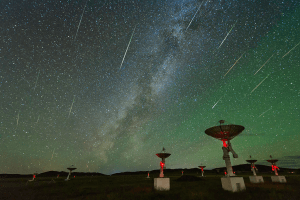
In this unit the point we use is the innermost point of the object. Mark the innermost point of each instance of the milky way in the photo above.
(65, 100)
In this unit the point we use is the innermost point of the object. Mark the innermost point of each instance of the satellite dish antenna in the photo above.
(276, 178)
(162, 183)
(254, 178)
(274, 167)
(163, 155)
(202, 167)
(33, 178)
(225, 133)
(71, 168)
(253, 167)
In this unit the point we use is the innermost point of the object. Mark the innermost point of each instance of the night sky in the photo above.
(105, 85)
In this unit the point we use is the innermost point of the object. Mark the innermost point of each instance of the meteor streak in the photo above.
(227, 34)
(80, 20)
(127, 47)
(234, 64)
(26, 81)
(264, 112)
(290, 50)
(194, 16)
(18, 118)
(217, 102)
(259, 83)
(52, 154)
(36, 81)
(71, 106)
(264, 64)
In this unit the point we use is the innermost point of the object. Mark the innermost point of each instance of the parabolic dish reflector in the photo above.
(71, 168)
(224, 132)
(272, 161)
(163, 155)
(251, 161)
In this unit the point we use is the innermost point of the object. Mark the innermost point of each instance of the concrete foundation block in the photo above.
(233, 184)
(279, 179)
(256, 179)
(162, 184)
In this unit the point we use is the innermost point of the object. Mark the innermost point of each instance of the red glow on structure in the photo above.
(162, 164)
(274, 167)
(224, 143)
(74, 176)
(225, 173)
(33, 176)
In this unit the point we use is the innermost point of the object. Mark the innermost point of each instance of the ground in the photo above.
(139, 187)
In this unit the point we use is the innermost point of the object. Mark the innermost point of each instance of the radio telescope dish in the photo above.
(163, 155)
(202, 167)
(253, 167)
(273, 161)
(71, 168)
(251, 161)
(274, 167)
(276, 178)
(224, 132)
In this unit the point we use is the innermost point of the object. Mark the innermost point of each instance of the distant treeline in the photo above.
(244, 168)
(238, 169)
(51, 174)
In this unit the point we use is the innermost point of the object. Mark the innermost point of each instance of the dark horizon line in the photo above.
(145, 171)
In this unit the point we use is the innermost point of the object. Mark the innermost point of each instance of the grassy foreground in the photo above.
(139, 187)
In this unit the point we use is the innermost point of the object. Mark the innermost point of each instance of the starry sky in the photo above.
(105, 85)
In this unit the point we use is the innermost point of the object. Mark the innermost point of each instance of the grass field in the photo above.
(139, 187)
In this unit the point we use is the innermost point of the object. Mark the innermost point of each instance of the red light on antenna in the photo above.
(162, 164)
(274, 167)
(224, 143)
(33, 176)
